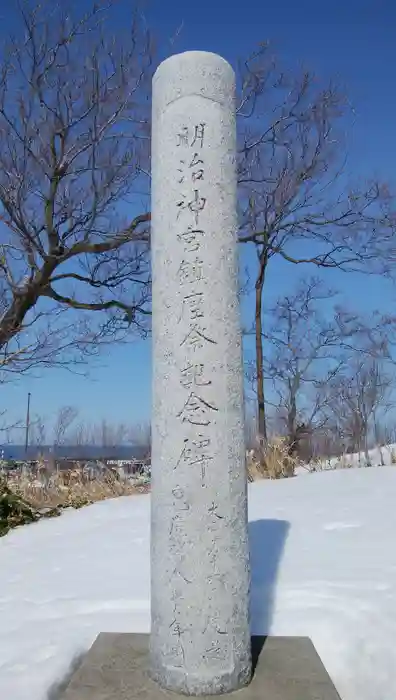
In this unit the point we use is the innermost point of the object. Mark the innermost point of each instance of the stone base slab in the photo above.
(116, 668)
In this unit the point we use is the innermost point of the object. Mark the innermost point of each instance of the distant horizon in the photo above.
(19, 452)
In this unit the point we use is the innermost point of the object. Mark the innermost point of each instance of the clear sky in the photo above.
(351, 40)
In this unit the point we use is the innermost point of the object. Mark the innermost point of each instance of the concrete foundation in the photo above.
(117, 668)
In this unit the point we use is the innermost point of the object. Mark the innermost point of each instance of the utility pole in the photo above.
(27, 424)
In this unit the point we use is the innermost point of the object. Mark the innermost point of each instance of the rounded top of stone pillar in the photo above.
(198, 73)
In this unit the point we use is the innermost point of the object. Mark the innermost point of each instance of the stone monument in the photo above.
(200, 633)
(200, 640)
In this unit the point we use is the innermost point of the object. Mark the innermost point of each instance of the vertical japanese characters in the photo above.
(198, 410)
(200, 634)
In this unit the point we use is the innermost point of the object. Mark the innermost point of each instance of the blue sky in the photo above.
(351, 41)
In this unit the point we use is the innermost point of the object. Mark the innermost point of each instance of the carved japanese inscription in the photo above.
(200, 636)
(198, 410)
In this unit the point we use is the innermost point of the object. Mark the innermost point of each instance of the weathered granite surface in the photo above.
(200, 641)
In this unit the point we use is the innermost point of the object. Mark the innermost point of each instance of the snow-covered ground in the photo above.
(384, 456)
(323, 561)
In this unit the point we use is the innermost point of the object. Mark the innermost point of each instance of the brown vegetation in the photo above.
(71, 489)
(271, 460)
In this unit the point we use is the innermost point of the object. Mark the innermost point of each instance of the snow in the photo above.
(323, 561)
(384, 456)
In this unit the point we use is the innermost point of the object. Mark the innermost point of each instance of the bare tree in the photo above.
(64, 419)
(38, 431)
(107, 434)
(73, 161)
(360, 398)
(10, 429)
(305, 349)
(295, 204)
(80, 435)
(140, 436)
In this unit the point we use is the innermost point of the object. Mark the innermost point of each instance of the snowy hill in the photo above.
(323, 562)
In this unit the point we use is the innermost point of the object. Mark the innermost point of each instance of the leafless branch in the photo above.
(66, 416)
(74, 125)
(295, 198)
(359, 398)
(310, 343)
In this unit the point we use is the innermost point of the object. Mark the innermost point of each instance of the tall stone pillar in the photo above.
(200, 636)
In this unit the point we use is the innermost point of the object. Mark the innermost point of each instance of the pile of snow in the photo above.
(323, 561)
(381, 456)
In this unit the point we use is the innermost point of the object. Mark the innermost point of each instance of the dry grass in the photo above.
(271, 460)
(14, 511)
(76, 494)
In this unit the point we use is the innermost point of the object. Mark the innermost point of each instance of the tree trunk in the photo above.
(261, 417)
(291, 425)
(23, 302)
